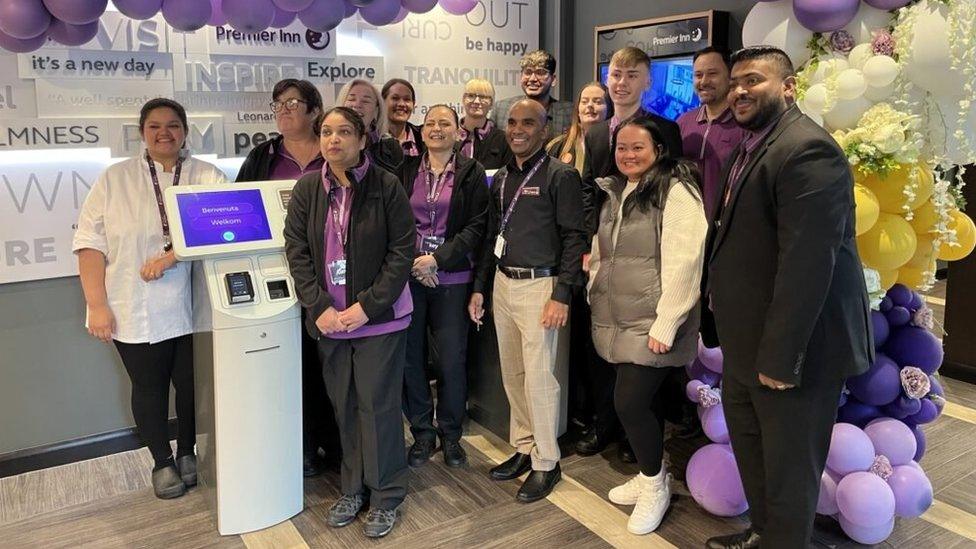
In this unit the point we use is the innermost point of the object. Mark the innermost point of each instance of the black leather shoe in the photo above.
(625, 452)
(454, 454)
(538, 485)
(421, 451)
(593, 442)
(513, 467)
(311, 465)
(743, 540)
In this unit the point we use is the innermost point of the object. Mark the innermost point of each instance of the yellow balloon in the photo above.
(965, 236)
(925, 218)
(888, 279)
(890, 189)
(924, 252)
(889, 244)
(866, 210)
(915, 276)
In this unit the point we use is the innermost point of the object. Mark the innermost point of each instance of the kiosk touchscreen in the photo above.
(247, 349)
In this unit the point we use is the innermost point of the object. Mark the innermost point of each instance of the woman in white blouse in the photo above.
(137, 293)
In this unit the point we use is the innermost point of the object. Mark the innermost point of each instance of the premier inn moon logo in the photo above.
(318, 40)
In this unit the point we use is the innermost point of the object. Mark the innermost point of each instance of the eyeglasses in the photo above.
(539, 73)
(288, 104)
(477, 97)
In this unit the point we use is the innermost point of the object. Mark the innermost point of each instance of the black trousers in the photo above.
(319, 429)
(780, 439)
(637, 398)
(364, 379)
(591, 379)
(151, 368)
(440, 312)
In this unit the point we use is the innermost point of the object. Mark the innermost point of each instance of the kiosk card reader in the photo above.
(247, 350)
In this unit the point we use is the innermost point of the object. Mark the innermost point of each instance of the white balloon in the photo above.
(816, 118)
(879, 94)
(846, 114)
(830, 66)
(773, 23)
(851, 84)
(867, 20)
(815, 99)
(943, 118)
(859, 55)
(880, 71)
(929, 64)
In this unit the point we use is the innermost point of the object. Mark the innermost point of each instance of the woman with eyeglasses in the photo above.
(480, 138)
(363, 97)
(293, 153)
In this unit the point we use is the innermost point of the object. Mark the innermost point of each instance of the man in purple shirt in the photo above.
(709, 133)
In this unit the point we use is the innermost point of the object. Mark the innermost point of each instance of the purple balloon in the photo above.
(691, 390)
(282, 18)
(351, 8)
(880, 328)
(827, 500)
(917, 302)
(17, 45)
(24, 19)
(850, 449)
(825, 15)
(898, 316)
(401, 15)
(710, 378)
(843, 399)
(886, 304)
(865, 499)
(902, 407)
(927, 412)
(186, 15)
(919, 443)
(72, 35)
(710, 358)
(695, 369)
(900, 295)
(76, 12)
(361, 3)
(892, 439)
(248, 15)
(912, 490)
(380, 12)
(867, 536)
(713, 480)
(138, 9)
(914, 346)
(323, 15)
(857, 413)
(217, 18)
(936, 386)
(458, 7)
(292, 5)
(887, 4)
(419, 6)
(878, 386)
(713, 423)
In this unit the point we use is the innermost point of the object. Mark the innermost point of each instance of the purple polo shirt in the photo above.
(442, 205)
(409, 143)
(334, 250)
(468, 138)
(709, 144)
(284, 165)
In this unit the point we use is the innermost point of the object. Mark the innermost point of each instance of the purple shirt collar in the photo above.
(702, 117)
(358, 173)
(482, 131)
(409, 143)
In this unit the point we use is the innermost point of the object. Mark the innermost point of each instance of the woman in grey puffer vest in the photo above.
(645, 273)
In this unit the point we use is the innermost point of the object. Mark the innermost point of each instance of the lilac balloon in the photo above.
(713, 423)
(878, 386)
(217, 18)
(401, 15)
(919, 443)
(76, 12)
(72, 35)
(825, 15)
(710, 378)
(292, 5)
(880, 328)
(912, 490)
(419, 6)
(458, 7)
(900, 295)
(892, 439)
(17, 45)
(351, 8)
(186, 15)
(827, 500)
(886, 304)
(713, 480)
(282, 18)
(380, 12)
(850, 449)
(138, 9)
(691, 390)
(868, 536)
(887, 4)
(710, 358)
(24, 19)
(865, 499)
(914, 346)
(249, 15)
(902, 407)
(323, 15)
(898, 316)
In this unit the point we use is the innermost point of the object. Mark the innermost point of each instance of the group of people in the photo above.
(736, 223)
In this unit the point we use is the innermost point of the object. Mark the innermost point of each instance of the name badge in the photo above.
(499, 246)
(337, 272)
(530, 191)
(429, 244)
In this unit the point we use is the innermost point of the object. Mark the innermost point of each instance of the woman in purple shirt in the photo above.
(449, 196)
(349, 238)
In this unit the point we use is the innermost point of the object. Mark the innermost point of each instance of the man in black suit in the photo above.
(786, 287)
(628, 77)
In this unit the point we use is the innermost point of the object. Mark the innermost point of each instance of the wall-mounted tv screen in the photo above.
(672, 90)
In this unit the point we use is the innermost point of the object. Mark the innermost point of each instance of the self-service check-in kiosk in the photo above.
(247, 350)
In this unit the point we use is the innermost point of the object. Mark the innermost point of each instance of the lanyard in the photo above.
(518, 193)
(434, 188)
(339, 213)
(167, 243)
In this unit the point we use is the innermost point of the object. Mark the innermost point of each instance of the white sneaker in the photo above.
(626, 493)
(653, 500)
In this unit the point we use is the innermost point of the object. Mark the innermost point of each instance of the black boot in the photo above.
(593, 442)
(625, 452)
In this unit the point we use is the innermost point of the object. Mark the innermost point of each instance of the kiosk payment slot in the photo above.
(247, 350)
